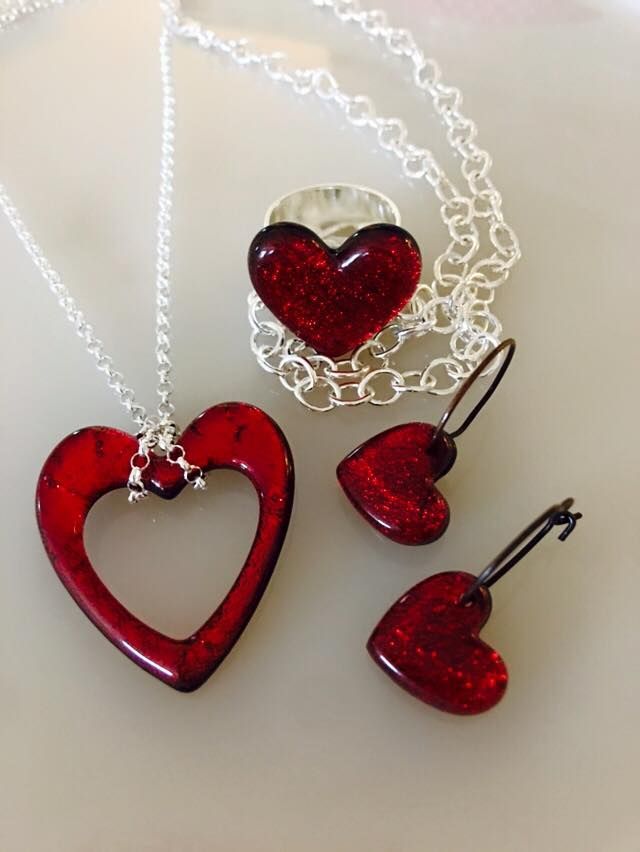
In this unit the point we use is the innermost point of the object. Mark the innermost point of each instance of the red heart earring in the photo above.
(428, 641)
(390, 478)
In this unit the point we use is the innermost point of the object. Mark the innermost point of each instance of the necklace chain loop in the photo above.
(162, 436)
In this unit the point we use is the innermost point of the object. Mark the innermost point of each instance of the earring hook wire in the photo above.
(557, 515)
(510, 346)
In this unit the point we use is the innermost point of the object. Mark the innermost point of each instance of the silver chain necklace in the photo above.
(457, 302)
(481, 251)
(159, 430)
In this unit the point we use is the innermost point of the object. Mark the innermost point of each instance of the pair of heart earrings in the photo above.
(428, 641)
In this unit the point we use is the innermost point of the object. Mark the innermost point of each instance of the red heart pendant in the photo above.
(93, 461)
(428, 644)
(389, 479)
(334, 299)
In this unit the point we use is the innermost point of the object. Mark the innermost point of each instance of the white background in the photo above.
(299, 743)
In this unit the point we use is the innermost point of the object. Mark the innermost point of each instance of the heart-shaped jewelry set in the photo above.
(337, 293)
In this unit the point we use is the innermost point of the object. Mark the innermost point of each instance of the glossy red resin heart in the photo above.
(334, 299)
(93, 461)
(389, 479)
(428, 644)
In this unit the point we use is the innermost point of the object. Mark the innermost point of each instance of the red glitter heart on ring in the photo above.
(94, 461)
(389, 479)
(428, 643)
(334, 299)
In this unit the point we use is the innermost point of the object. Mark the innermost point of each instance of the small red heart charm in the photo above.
(334, 299)
(428, 644)
(93, 461)
(389, 479)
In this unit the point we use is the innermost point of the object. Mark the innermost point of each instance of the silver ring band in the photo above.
(333, 211)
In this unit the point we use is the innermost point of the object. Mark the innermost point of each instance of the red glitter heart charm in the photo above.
(389, 479)
(93, 461)
(334, 299)
(428, 644)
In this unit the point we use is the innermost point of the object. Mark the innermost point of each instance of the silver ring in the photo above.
(333, 211)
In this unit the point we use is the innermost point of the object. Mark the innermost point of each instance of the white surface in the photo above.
(298, 742)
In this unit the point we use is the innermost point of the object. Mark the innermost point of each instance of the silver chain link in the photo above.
(159, 431)
(456, 302)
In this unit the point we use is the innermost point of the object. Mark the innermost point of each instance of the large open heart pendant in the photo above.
(96, 460)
